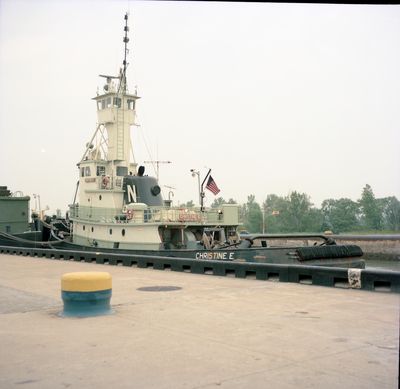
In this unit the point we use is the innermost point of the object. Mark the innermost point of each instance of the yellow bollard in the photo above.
(86, 293)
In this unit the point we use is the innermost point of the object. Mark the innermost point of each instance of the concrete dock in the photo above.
(177, 330)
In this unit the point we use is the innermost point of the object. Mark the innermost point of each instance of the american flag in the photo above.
(212, 186)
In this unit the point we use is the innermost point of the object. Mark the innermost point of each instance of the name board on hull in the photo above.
(221, 255)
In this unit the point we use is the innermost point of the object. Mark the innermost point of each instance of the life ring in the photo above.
(129, 214)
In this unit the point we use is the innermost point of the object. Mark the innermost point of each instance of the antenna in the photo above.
(126, 40)
(157, 164)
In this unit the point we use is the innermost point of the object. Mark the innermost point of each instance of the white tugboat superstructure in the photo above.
(117, 205)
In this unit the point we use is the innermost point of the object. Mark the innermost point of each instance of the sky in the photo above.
(274, 98)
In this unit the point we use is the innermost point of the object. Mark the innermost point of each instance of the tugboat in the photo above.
(117, 207)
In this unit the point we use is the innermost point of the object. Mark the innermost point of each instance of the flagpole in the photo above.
(202, 192)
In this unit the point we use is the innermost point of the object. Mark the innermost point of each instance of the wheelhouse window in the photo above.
(131, 104)
(101, 171)
(117, 102)
(122, 171)
(114, 102)
(85, 171)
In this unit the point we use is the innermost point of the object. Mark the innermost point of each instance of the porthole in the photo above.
(123, 232)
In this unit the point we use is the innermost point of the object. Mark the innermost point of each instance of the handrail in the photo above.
(147, 215)
(29, 241)
(327, 239)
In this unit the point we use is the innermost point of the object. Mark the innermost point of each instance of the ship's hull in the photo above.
(333, 256)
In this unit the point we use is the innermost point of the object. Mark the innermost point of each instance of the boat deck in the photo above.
(178, 330)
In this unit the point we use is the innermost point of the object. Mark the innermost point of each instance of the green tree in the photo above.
(372, 215)
(252, 215)
(390, 207)
(297, 217)
(340, 215)
(293, 213)
(274, 208)
(299, 205)
(313, 221)
(218, 202)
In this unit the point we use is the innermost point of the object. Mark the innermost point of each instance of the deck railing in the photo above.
(147, 215)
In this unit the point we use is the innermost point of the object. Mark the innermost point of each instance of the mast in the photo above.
(125, 64)
(116, 113)
(202, 194)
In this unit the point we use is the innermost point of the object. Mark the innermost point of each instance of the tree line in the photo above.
(296, 213)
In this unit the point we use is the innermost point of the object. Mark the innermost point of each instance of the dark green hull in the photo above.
(344, 256)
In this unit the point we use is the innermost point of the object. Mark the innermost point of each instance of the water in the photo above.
(383, 264)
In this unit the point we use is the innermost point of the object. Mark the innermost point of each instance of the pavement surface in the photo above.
(179, 330)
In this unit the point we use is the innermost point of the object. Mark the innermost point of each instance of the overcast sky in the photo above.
(273, 97)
